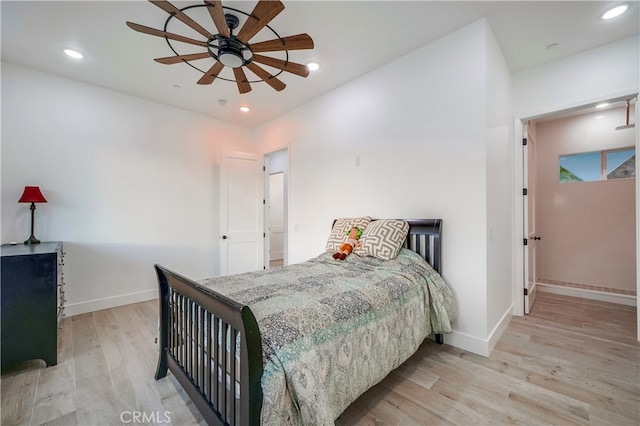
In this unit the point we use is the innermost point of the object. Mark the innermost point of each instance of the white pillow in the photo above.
(383, 238)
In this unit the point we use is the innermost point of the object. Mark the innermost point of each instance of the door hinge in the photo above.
(264, 169)
(526, 291)
(264, 202)
(524, 141)
(524, 191)
(525, 241)
(264, 235)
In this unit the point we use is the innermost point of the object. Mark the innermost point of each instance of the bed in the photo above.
(298, 344)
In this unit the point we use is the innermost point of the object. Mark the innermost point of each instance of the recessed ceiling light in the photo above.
(73, 54)
(313, 66)
(602, 105)
(616, 11)
(244, 109)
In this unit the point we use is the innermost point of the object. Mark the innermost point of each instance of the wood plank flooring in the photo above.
(571, 362)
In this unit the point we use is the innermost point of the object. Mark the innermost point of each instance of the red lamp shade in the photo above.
(32, 194)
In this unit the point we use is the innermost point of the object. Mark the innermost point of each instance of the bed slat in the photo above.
(424, 239)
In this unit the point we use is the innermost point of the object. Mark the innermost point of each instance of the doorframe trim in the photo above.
(518, 220)
(286, 171)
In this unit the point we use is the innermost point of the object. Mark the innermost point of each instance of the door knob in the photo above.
(536, 238)
(224, 237)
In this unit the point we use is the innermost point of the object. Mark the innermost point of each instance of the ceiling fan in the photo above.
(231, 49)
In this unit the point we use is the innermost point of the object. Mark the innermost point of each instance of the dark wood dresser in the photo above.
(32, 302)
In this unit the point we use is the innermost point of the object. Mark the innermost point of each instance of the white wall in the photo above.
(129, 183)
(606, 72)
(419, 127)
(499, 148)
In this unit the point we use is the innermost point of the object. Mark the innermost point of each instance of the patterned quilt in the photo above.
(332, 329)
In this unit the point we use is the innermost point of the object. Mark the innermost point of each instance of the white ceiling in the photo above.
(351, 38)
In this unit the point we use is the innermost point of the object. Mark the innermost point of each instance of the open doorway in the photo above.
(571, 224)
(276, 219)
(275, 208)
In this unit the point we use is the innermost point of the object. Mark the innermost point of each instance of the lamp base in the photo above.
(32, 240)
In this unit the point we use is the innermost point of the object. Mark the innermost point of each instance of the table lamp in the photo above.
(32, 195)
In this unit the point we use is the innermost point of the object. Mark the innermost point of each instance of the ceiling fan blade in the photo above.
(211, 75)
(158, 33)
(241, 80)
(217, 14)
(268, 78)
(295, 42)
(292, 67)
(182, 58)
(172, 10)
(260, 17)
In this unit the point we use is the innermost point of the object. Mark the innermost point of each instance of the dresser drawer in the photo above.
(30, 295)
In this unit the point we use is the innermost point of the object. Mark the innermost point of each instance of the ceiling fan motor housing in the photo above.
(230, 52)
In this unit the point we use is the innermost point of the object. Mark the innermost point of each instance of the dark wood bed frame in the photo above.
(194, 319)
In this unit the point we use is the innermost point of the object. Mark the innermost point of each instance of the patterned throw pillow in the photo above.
(341, 228)
(383, 238)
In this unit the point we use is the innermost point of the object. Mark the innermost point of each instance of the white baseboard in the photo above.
(109, 302)
(478, 346)
(621, 299)
(467, 342)
(497, 331)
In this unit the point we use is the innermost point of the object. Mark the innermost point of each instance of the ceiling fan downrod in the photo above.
(230, 49)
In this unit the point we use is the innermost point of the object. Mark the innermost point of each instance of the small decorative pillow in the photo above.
(341, 228)
(383, 238)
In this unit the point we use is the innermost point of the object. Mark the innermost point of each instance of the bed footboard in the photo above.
(212, 345)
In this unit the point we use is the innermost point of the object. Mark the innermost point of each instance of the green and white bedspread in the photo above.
(331, 329)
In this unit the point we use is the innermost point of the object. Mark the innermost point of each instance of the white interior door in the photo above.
(241, 213)
(533, 238)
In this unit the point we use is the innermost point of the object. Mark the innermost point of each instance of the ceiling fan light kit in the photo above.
(229, 49)
(230, 53)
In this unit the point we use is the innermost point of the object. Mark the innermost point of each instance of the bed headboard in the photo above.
(425, 239)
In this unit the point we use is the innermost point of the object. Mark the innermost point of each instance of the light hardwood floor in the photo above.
(572, 361)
